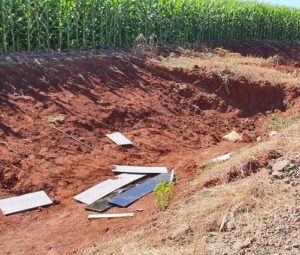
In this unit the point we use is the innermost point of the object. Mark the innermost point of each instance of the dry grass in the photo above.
(184, 227)
(277, 123)
(249, 67)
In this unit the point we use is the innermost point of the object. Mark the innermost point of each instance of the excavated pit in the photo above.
(174, 117)
(174, 109)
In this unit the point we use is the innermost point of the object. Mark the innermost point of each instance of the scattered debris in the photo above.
(220, 158)
(131, 195)
(140, 169)
(140, 209)
(105, 188)
(110, 215)
(233, 137)
(272, 133)
(119, 139)
(102, 204)
(258, 139)
(24, 202)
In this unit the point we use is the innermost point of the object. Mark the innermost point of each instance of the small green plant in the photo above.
(163, 194)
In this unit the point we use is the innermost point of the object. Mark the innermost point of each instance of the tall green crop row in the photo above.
(28, 25)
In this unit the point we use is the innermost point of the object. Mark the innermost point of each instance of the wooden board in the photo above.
(105, 188)
(24, 202)
(110, 215)
(140, 169)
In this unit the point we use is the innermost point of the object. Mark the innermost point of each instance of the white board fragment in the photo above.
(119, 139)
(105, 188)
(272, 133)
(109, 215)
(173, 174)
(220, 158)
(140, 169)
(24, 202)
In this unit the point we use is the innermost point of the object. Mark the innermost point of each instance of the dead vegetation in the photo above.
(252, 68)
(145, 47)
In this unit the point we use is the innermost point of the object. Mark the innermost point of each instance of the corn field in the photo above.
(36, 25)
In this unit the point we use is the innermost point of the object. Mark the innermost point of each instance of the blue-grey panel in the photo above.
(131, 195)
(100, 205)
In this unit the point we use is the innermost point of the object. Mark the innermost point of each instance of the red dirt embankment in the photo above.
(174, 118)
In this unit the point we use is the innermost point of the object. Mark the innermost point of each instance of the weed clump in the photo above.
(163, 193)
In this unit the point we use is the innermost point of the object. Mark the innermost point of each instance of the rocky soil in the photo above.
(275, 231)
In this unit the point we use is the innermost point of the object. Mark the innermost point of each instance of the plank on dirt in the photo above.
(110, 215)
(140, 190)
(119, 139)
(104, 188)
(140, 169)
(24, 202)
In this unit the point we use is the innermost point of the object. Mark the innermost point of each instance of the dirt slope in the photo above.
(175, 118)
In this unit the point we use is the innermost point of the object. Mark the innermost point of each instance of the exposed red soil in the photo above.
(175, 118)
